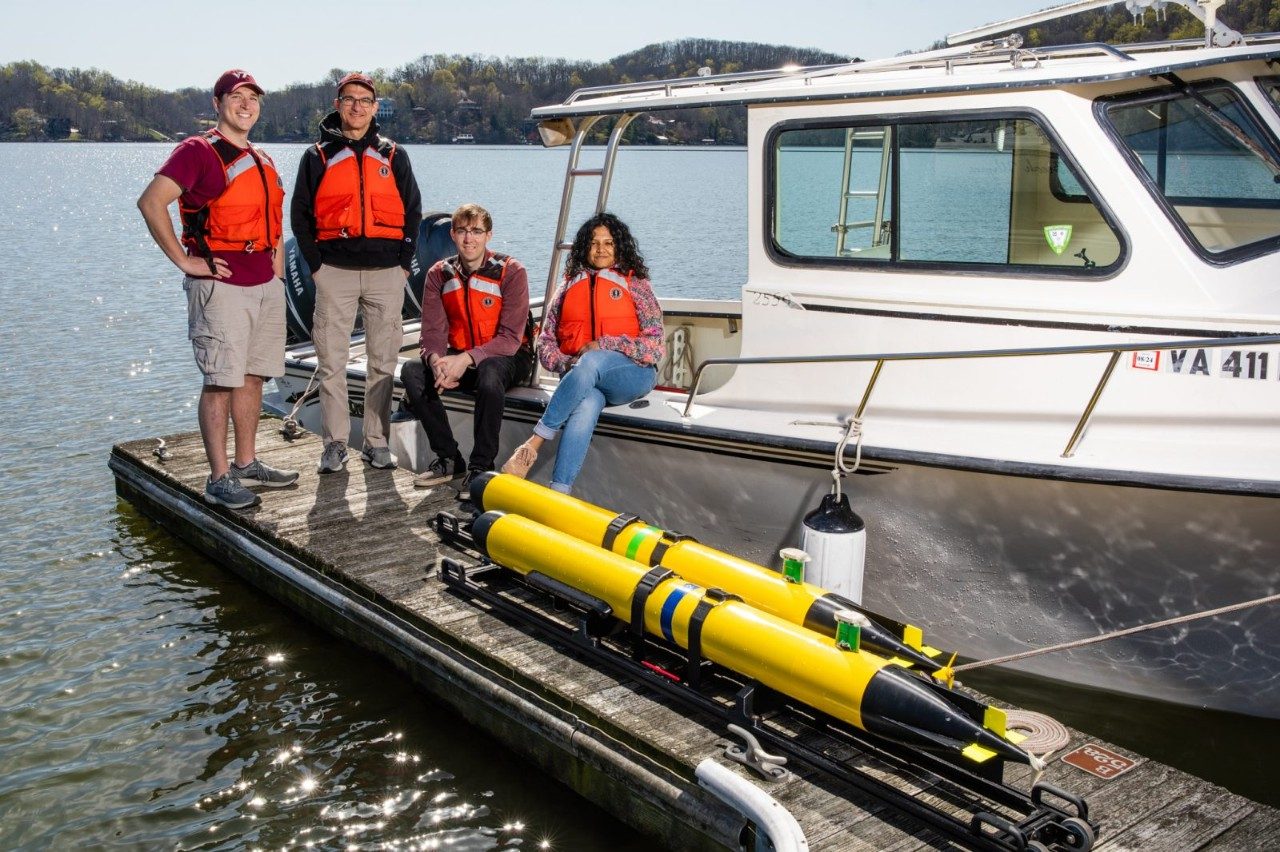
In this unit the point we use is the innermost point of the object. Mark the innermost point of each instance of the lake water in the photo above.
(151, 700)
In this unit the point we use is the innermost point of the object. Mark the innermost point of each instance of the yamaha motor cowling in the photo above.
(434, 243)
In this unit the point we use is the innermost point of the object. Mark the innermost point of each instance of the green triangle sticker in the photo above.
(1058, 237)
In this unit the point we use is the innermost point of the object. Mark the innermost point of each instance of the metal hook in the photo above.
(754, 757)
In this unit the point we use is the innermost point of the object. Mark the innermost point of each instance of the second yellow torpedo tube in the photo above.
(858, 687)
(798, 603)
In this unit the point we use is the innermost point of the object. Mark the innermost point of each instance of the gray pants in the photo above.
(379, 294)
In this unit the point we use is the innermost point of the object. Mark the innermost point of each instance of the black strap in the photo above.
(639, 598)
(617, 525)
(711, 599)
(664, 544)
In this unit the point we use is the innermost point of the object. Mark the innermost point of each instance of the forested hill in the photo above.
(441, 98)
(433, 99)
(1114, 25)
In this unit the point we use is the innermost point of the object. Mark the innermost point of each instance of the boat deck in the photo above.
(357, 553)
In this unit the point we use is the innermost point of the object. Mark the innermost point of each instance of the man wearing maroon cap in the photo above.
(230, 199)
(355, 214)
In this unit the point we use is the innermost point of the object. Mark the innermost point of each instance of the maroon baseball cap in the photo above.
(360, 79)
(234, 79)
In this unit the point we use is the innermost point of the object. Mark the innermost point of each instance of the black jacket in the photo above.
(357, 252)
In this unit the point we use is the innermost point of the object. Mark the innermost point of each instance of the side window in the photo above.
(1215, 168)
(1271, 88)
(989, 192)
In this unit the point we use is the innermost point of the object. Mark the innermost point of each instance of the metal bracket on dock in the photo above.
(752, 756)
(454, 531)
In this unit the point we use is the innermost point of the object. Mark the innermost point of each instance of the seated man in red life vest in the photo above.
(475, 309)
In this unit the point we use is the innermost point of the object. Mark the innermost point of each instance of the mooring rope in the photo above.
(1079, 643)
(852, 431)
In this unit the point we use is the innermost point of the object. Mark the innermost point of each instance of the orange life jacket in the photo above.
(248, 214)
(357, 196)
(597, 303)
(473, 304)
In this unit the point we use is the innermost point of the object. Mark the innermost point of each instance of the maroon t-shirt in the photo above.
(195, 167)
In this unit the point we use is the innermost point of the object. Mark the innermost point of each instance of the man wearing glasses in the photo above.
(355, 214)
(475, 312)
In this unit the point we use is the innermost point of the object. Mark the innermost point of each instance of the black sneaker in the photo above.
(441, 470)
(227, 491)
(257, 473)
(464, 490)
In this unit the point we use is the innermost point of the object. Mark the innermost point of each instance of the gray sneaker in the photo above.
(441, 470)
(227, 491)
(334, 457)
(379, 457)
(257, 473)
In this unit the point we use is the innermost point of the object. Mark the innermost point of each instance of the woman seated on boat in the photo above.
(603, 333)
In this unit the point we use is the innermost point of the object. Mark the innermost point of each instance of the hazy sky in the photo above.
(171, 45)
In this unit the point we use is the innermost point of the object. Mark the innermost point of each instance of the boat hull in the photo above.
(989, 563)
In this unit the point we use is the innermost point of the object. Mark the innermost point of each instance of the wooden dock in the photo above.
(357, 553)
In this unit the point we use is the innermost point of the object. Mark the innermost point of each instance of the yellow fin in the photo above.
(912, 636)
(995, 719)
(977, 753)
(930, 651)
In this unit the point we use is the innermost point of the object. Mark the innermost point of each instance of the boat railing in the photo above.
(993, 51)
(880, 358)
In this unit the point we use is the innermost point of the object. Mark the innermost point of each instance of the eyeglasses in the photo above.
(470, 232)
(349, 101)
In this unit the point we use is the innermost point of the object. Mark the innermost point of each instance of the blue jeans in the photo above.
(601, 377)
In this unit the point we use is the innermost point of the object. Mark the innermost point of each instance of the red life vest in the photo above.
(473, 304)
(597, 303)
(357, 195)
(248, 214)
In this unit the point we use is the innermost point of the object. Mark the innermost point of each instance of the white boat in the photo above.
(1066, 374)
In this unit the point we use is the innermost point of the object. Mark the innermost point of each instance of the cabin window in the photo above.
(986, 192)
(1271, 88)
(1210, 161)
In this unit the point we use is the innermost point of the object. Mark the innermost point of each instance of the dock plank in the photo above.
(357, 552)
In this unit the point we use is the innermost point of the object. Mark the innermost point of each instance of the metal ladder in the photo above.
(843, 225)
(572, 173)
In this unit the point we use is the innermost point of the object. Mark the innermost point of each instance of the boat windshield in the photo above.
(982, 191)
(1209, 160)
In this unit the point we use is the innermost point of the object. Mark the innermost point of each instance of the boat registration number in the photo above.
(1225, 363)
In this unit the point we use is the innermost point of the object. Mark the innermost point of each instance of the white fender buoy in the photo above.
(836, 540)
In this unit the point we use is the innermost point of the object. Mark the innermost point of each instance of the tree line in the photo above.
(439, 98)
(433, 99)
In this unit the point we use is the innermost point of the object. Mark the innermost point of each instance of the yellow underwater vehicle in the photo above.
(735, 638)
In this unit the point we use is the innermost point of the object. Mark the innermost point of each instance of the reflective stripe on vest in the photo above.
(597, 303)
(474, 306)
(358, 196)
(249, 212)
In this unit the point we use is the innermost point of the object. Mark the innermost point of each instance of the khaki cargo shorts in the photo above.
(235, 331)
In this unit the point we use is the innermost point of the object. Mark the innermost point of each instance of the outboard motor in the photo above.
(299, 294)
(434, 243)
